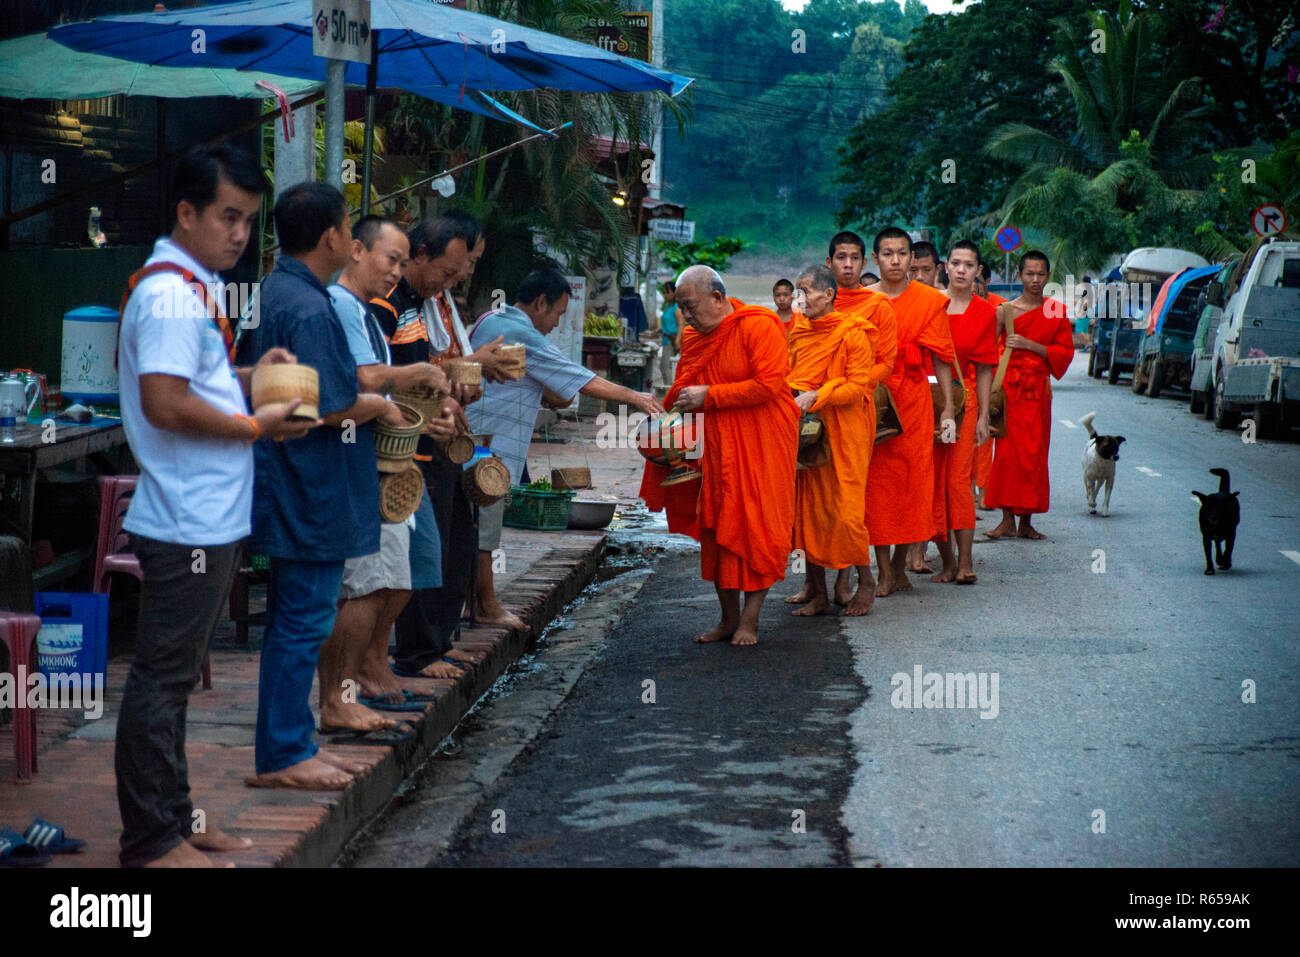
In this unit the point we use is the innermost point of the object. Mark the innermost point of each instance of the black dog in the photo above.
(1220, 513)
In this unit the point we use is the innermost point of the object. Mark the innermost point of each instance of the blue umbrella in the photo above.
(425, 48)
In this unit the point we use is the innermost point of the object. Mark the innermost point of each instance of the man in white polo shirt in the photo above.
(508, 410)
(188, 426)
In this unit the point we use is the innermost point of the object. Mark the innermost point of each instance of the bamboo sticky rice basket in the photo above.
(283, 382)
(459, 449)
(463, 371)
(486, 482)
(428, 403)
(516, 359)
(395, 445)
(400, 493)
(570, 479)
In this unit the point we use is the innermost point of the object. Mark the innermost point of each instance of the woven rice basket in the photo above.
(395, 445)
(399, 494)
(285, 381)
(486, 482)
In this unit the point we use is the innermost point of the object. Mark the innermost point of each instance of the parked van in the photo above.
(1143, 268)
(1165, 350)
(1207, 327)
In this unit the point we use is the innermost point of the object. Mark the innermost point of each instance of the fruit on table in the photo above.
(607, 325)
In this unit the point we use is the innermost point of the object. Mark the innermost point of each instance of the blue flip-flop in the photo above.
(50, 838)
(16, 852)
(380, 702)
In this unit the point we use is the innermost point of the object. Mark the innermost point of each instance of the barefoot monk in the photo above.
(1041, 344)
(830, 369)
(732, 374)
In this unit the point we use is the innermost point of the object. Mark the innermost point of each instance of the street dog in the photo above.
(1099, 460)
(1220, 513)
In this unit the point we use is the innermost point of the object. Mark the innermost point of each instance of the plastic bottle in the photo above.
(93, 231)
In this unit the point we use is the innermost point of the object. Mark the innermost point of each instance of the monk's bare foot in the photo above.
(744, 636)
(721, 633)
(1003, 529)
(916, 563)
(803, 595)
(884, 584)
(493, 615)
(342, 763)
(840, 593)
(1028, 531)
(215, 839)
(185, 855)
(310, 775)
(900, 583)
(352, 717)
(945, 574)
(965, 576)
(456, 654)
(815, 606)
(861, 602)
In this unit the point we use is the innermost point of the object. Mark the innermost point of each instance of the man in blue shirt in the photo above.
(315, 501)
(508, 410)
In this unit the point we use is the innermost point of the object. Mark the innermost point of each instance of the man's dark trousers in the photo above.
(429, 621)
(181, 598)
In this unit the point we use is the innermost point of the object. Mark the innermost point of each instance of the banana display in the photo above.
(609, 325)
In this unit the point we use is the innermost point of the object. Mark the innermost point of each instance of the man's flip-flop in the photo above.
(16, 852)
(379, 736)
(50, 838)
(381, 703)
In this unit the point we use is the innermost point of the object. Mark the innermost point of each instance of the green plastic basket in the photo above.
(532, 508)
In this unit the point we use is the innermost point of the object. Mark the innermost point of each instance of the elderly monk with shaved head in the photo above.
(732, 377)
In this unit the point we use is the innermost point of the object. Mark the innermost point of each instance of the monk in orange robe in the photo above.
(733, 371)
(974, 340)
(984, 453)
(783, 299)
(846, 258)
(830, 369)
(900, 483)
(1041, 344)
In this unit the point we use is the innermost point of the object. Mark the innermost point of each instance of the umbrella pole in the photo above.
(334, 73)
(372, 69)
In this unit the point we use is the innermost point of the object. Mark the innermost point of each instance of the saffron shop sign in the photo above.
(629, 36)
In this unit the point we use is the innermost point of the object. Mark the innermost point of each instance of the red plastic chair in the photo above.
(18, 632)
(115, 493)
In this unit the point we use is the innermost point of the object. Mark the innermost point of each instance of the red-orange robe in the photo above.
(787, 327)
(742, 508)
(1019, 480)
(900, 483)
(983, 467)
(833, 356)
(974, 340)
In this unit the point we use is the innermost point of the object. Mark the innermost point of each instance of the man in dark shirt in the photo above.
(315, 500)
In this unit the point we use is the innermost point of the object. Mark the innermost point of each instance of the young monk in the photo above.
(783, 299)
(733, 369)
(975, 343)
(900, 484)
(925, 264)
(984, 453)
(830, 369)
(846, 258)
(1041, 344)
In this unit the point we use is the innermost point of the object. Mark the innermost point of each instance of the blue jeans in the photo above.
(301, 602)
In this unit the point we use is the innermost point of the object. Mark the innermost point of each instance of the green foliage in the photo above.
(716, 252)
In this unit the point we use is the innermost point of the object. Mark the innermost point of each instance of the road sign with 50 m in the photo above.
(341, 30)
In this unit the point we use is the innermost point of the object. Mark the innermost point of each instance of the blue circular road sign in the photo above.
(1008, 239)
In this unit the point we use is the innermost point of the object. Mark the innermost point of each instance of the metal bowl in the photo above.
(589, 514)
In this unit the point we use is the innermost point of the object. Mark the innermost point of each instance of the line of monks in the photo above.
(760, 377)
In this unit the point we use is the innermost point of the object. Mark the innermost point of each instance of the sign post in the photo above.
(673, 230)
(1008, 240)
(340, 32)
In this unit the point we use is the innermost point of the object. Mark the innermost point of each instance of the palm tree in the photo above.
(1129, 149)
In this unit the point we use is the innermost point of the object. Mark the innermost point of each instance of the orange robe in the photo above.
(833, 356)
(742, 508)
(787, 327)
(984, 453)
(900, 483)
(1019, 480)
(974, 340)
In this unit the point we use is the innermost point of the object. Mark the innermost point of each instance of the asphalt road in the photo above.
(1118, 734)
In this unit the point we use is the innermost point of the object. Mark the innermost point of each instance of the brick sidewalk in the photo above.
(75, 785)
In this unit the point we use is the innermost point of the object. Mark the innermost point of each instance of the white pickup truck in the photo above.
(1257, 349)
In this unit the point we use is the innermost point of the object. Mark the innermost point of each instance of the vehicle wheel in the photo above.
(1208, 410)
(1139, 380)
(1196, 403)
(1223, 418)
(1112, 373)
(1156, 380)
(1092, 364)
